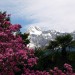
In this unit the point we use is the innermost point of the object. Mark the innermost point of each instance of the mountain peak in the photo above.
(35, 30)
(40, 38)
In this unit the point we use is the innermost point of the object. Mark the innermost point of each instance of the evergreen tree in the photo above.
(63, 41)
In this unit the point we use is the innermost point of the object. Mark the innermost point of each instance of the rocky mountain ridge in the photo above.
(40, 38)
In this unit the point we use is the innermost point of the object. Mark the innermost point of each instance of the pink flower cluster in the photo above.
(7, 23)
(68, 70)
(32, 72)
(15, 27)
(2, 34)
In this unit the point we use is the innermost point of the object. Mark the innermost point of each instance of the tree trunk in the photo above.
(64, 54)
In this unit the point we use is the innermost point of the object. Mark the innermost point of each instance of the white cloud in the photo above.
(50, 14)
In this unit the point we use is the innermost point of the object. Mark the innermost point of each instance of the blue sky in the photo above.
(22, 22)
(48, 14)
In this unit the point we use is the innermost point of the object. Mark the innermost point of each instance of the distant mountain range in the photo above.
(40, 38)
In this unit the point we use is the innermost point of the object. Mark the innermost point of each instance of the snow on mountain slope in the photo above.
(39, 38)
(35, 30)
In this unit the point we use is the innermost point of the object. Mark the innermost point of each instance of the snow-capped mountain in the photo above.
(35, 30)
(39, 38)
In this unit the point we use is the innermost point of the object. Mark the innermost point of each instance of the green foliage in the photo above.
(46, 59)
(39, 52)
(52, 45)
(72, 44)
(50, 58)
(61, 41)
(72, 56)
(25, 38)
(64, 40)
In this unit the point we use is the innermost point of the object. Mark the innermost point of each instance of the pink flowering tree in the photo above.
(15, 57)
